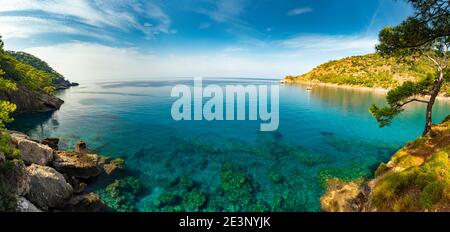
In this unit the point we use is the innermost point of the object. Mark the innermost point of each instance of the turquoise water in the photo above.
(229, 165)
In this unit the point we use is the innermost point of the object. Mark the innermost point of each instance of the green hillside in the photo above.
(58, 80)
(371, 70)
(26, 75)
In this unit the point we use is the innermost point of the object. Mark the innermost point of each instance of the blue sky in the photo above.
(119, 39)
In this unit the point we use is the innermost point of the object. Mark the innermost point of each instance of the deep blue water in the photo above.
(325, 132)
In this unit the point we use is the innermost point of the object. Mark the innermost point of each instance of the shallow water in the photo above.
(323, 133)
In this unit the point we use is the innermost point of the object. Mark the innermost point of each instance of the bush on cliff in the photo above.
(417, 188)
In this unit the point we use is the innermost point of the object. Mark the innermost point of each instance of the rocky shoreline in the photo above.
(416, 179)
(43, 178)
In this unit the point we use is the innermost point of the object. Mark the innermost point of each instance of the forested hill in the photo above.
(371, 70)
(29, 82)
(58, 80)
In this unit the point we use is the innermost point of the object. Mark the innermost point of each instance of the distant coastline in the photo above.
(353, 87)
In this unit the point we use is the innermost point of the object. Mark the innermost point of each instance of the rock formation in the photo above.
(31, 101)
(45, 179)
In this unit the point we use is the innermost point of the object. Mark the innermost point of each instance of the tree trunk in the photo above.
(434, 94)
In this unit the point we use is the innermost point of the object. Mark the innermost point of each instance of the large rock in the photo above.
(31, 152)
(90, 202)
(76, 164)
(16, 137)
(81, 147)
(15, 179)
(77, 185)
(23, 205)
(51, 142)
(31, 101)
(48, 188)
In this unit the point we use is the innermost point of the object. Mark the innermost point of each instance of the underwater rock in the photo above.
(16, 179)
(111, 166)
(51, 142)
(76, 164)
(32, 152)
(343, 197)
(23, 205)
(237, 187)
(48, 188)
(122, 194)
(89, 202)
(194, 200)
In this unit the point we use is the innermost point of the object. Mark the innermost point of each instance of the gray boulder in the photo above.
(31, 152)
(16, 179)
(89, 202)
(25, 206)
(48, 188)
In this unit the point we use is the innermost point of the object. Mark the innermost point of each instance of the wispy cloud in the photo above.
(79, 16)
(117, 63)
(299, 11)
(331, 43)
(227, 10)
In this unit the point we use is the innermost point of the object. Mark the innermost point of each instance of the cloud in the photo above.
(331, 43)
(100, 62)
(299, 11)
(19, 27)
(227, 10)
(96, 15)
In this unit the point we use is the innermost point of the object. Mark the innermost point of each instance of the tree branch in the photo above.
(412, 100)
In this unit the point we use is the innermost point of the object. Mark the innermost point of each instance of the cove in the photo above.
(229, 165)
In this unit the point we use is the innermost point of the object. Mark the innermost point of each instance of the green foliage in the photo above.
(8, 201)
(6, 108)
(121, 194)
(37, 64)
(14, 72)
(373, 70)
(398, 97)
(424, 35)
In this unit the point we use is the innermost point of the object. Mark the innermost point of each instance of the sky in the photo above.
(144, 39)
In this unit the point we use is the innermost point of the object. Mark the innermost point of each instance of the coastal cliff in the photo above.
(417, 178)
(31, 82)
(28, 100)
